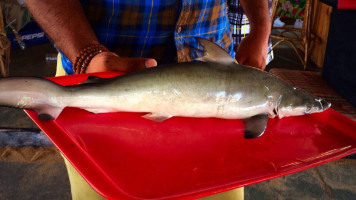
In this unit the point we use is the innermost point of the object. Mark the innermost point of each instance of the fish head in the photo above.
(299, 102)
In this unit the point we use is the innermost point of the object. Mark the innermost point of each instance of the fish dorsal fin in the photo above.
(214, 53)
(255, 126)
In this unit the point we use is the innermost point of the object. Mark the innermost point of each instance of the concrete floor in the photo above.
(43, 176)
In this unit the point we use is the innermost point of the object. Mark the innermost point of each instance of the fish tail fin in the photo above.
(32, 93)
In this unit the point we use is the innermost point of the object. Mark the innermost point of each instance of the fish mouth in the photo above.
(319, 106)
(328, 105)
(322, 104)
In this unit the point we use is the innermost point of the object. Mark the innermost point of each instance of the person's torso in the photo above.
(164, 30)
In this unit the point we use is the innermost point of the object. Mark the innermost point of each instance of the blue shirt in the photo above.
(160, 29)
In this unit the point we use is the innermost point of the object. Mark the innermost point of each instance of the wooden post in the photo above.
(2, 25)
(320, 28)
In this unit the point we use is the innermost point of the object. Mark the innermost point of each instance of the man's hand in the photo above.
(252, 51)
(109, 61)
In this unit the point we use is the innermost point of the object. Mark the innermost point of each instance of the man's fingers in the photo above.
(109, 61)
(261, 64)
(255, 64)
(135, 64)
(150, 63)
(240, 60)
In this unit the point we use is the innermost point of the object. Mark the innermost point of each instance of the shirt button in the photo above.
(179, 29)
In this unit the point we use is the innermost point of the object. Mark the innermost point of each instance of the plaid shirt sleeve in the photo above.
(240, 26)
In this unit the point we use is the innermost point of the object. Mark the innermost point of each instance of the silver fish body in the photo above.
(197, 89)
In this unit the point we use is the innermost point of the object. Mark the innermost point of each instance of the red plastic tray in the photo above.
(124, 156)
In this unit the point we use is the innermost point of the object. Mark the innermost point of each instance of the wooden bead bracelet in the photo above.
(84, 57)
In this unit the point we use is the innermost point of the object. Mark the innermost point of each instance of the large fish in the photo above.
(216, 87)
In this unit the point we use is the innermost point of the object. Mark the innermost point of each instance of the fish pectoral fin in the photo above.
(214, 53)
(156, 117)
(49, 113)
(255, 126)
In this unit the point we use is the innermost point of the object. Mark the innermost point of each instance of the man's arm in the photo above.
(65, 23)
(253, 49)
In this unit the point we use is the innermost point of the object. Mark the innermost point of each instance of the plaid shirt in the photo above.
(160, 29)
(240, 26)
